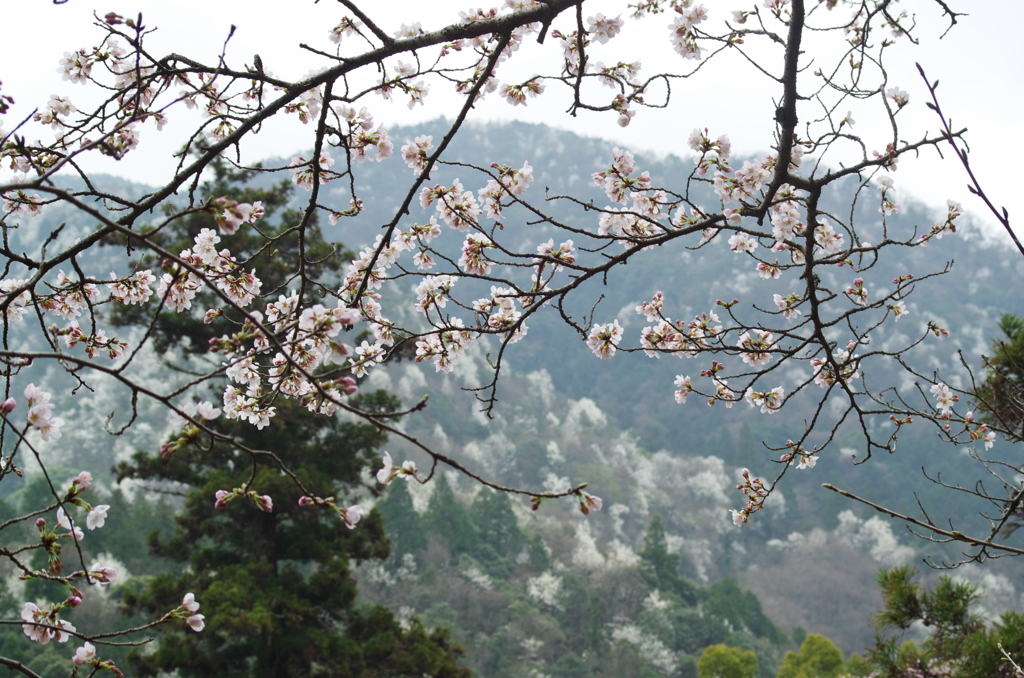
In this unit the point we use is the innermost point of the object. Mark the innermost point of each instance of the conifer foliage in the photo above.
(273, 577)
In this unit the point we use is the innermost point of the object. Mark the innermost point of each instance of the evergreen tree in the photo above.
(1001, 395)
(662, 567)
(447, 518)
(403, 524)
(959, 645)
(497, 531)
(741, 609)
(274, 582)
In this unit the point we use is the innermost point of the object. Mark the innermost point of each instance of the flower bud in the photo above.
(222, 499)
(7, 406)
(73, 601)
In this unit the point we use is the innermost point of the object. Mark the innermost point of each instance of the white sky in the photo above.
(977, 63)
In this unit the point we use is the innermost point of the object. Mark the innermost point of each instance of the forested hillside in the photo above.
(641, 588)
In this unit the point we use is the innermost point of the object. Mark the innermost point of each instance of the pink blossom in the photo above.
(385, 475)
(196, 622)
(683, 388)
(604, 29)
(37, 621)
(84, 654)
(189, 603)
(352, 515)
(756, 349)
(589, 503)
(389, 472)
(944, 397)
(102, 575)
(604, 338)
(415, 152)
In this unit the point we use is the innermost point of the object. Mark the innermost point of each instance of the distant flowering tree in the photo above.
(287, 329)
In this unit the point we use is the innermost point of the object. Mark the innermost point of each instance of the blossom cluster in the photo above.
(756, 492)
(40, 413)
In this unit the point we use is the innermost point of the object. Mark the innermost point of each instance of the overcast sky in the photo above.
(977, 62)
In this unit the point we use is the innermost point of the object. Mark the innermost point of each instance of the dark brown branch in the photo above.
(950, 535)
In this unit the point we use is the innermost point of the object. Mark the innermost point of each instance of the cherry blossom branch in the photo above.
(18, 666)
(951, 535)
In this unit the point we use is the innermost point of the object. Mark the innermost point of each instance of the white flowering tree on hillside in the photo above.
(450, 241)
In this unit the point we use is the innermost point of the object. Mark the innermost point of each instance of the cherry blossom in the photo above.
(474, 258)
(189, 603)
(857, 293)
(899, 97)
(768, 401)
(40, 413)
(82, 482)
(755, 491)
(683, 38)
(944, 397)
(742, 242)
(415, 152)
(44, 626)
(827, 238)
(518, 94)
(603, 29)
(351, 515)
(63, 521)
(898, 308)
(389, 472)
(303, 172)
(102, 575)
(345, 28)
(589, 503)
(563, 254)
(84, 654)
(825, 374)
(756, 349)
(788, 305)
(604, 339)
(96, 516)
(19, 202)
(652, 309)
(683, 388)
(133, 290)
(887, 207)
